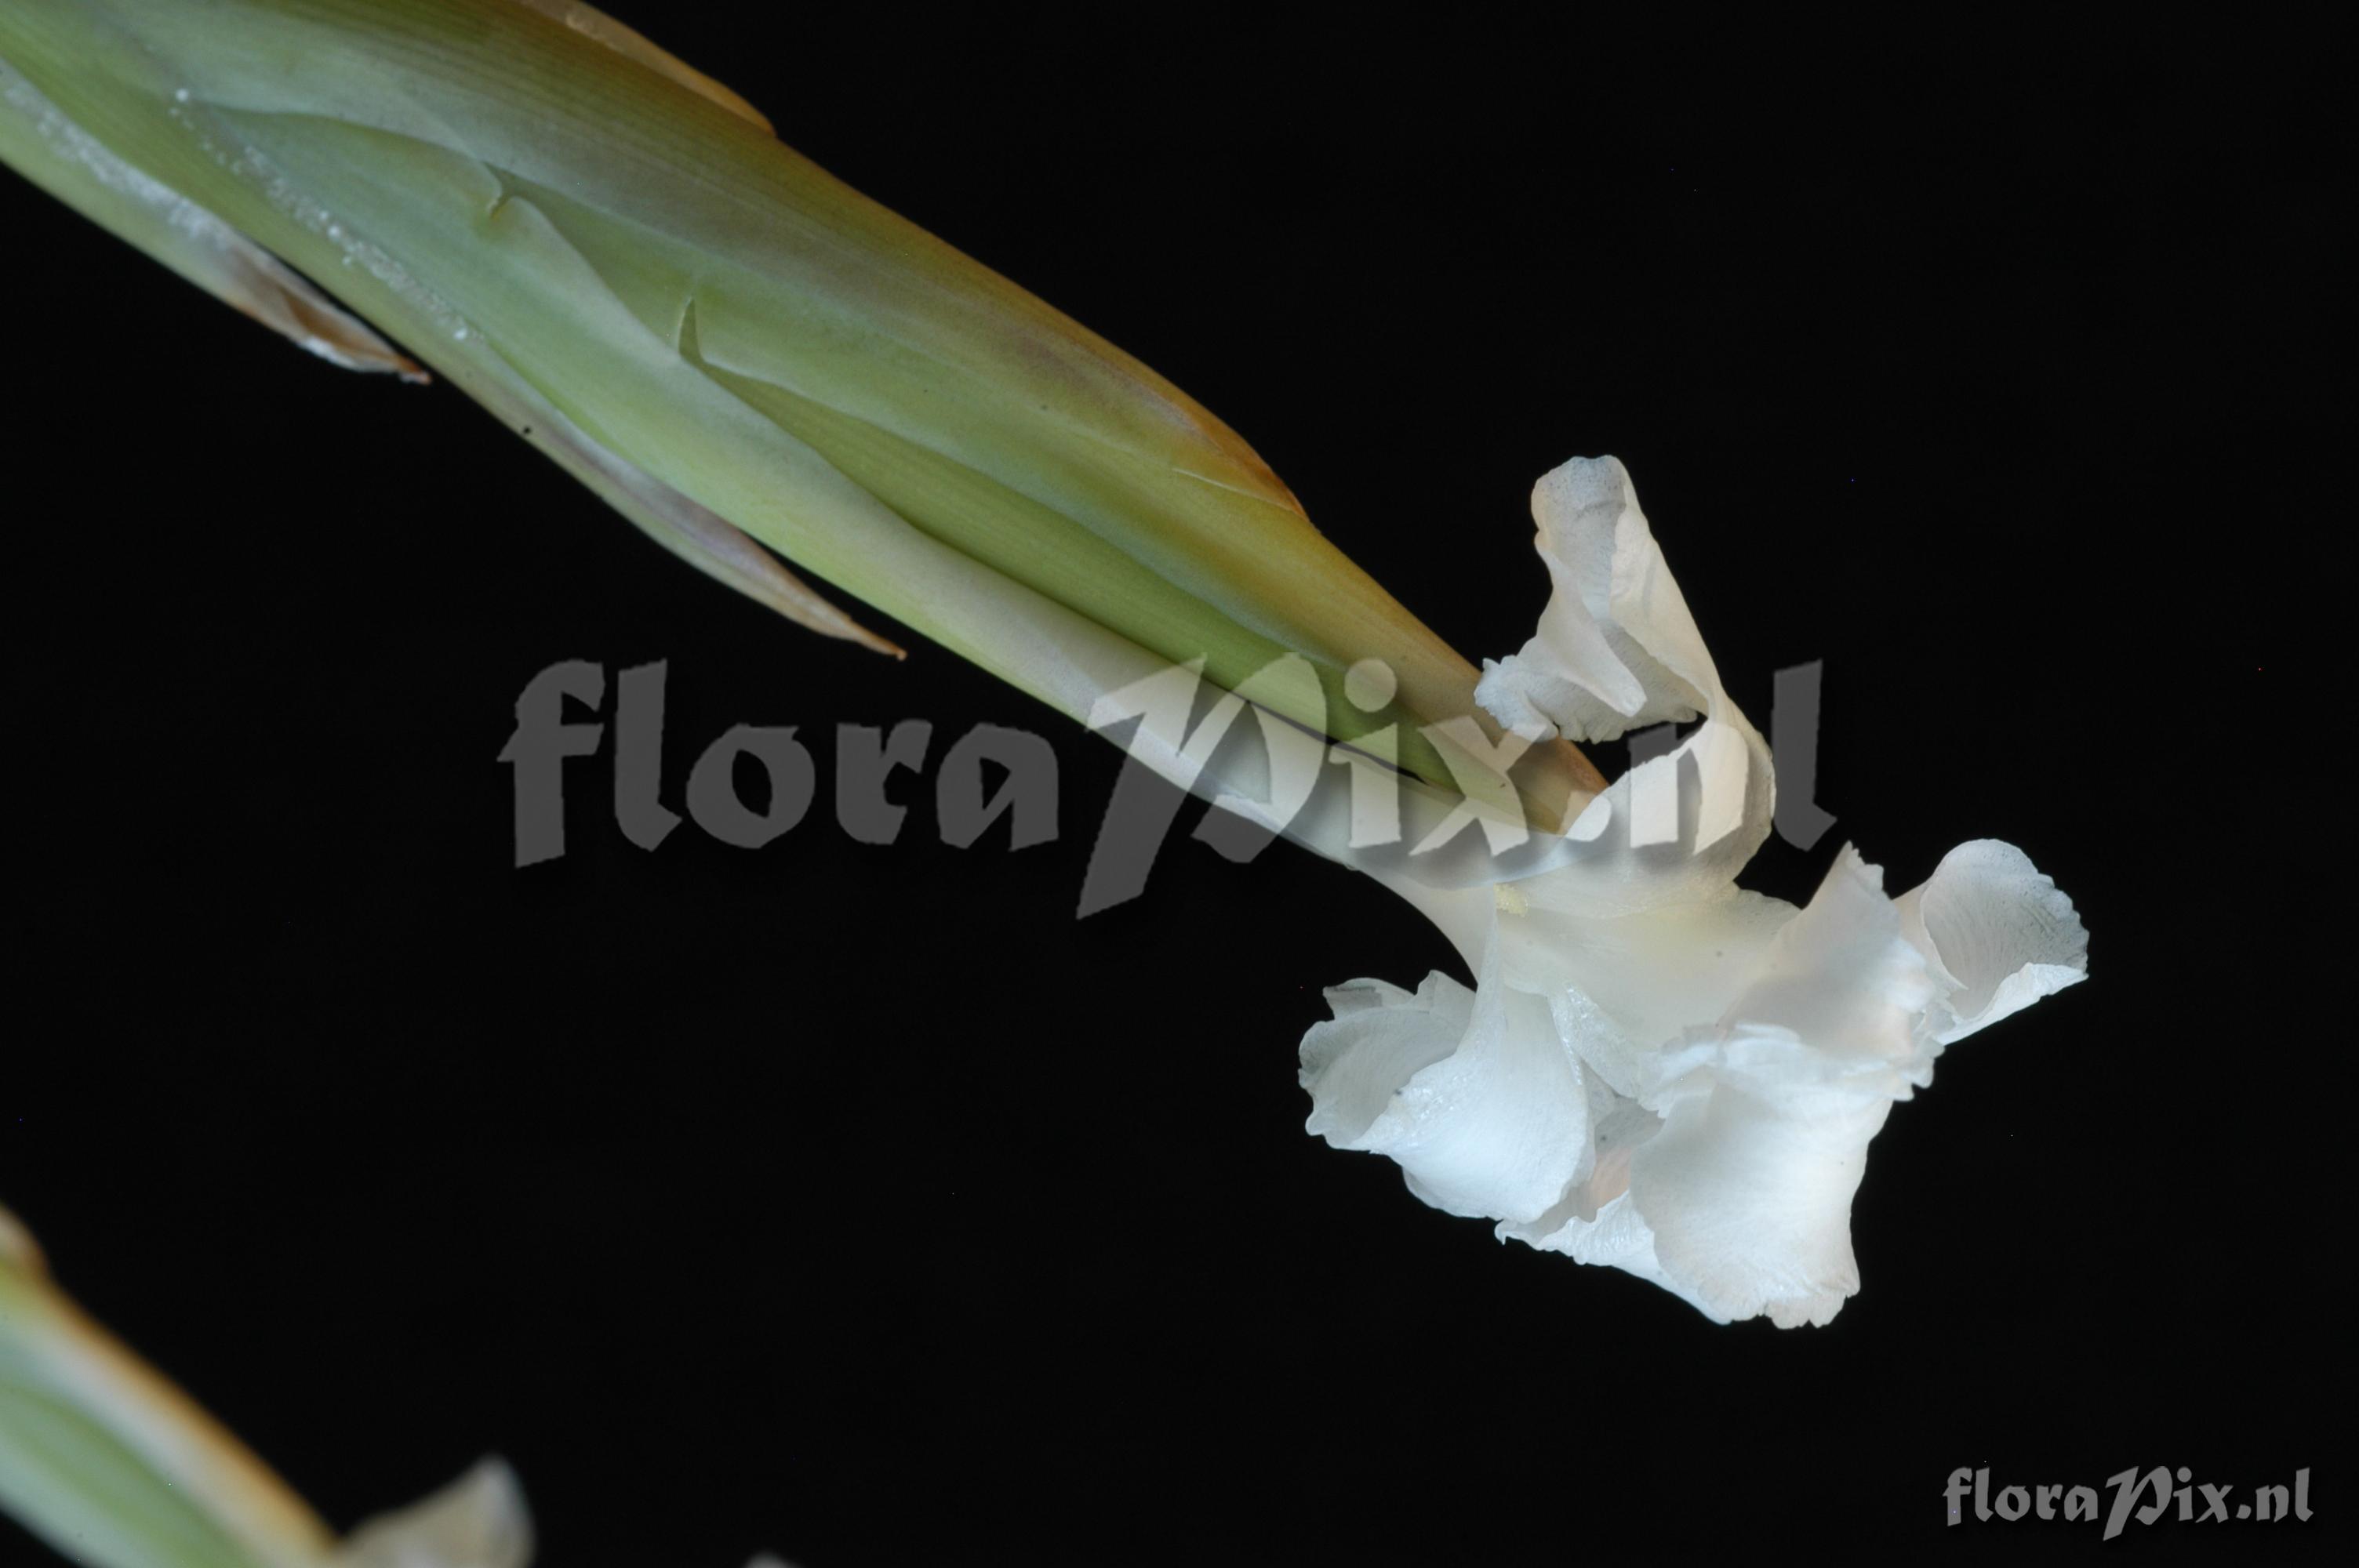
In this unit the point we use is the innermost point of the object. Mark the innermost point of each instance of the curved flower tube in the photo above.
(1656, 1069)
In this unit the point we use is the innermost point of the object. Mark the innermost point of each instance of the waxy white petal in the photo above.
(1699, 1069)
(1618, 649)
(1998, 930)
(1476, 1097)
(1768, 1113)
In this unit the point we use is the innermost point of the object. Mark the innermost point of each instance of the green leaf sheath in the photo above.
(554, 220)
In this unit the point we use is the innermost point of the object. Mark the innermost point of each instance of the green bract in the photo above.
(106, 1459)
(618, 258)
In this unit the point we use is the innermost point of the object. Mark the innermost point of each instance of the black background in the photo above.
(858, 1203)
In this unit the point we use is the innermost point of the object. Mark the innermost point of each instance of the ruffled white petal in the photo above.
(1381, 1037)
(1998, 931)
(1747, 1187)
(1656, 1070)
(1722, 1068)
(1616, 648)
(1475, 1094)
(1766, 1114)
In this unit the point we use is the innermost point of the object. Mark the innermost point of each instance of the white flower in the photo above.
(1656, 1069)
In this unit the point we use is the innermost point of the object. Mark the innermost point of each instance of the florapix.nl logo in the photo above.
(1266, 776)
(2145, 1496)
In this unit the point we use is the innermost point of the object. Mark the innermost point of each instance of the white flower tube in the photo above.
(1656, 1069)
